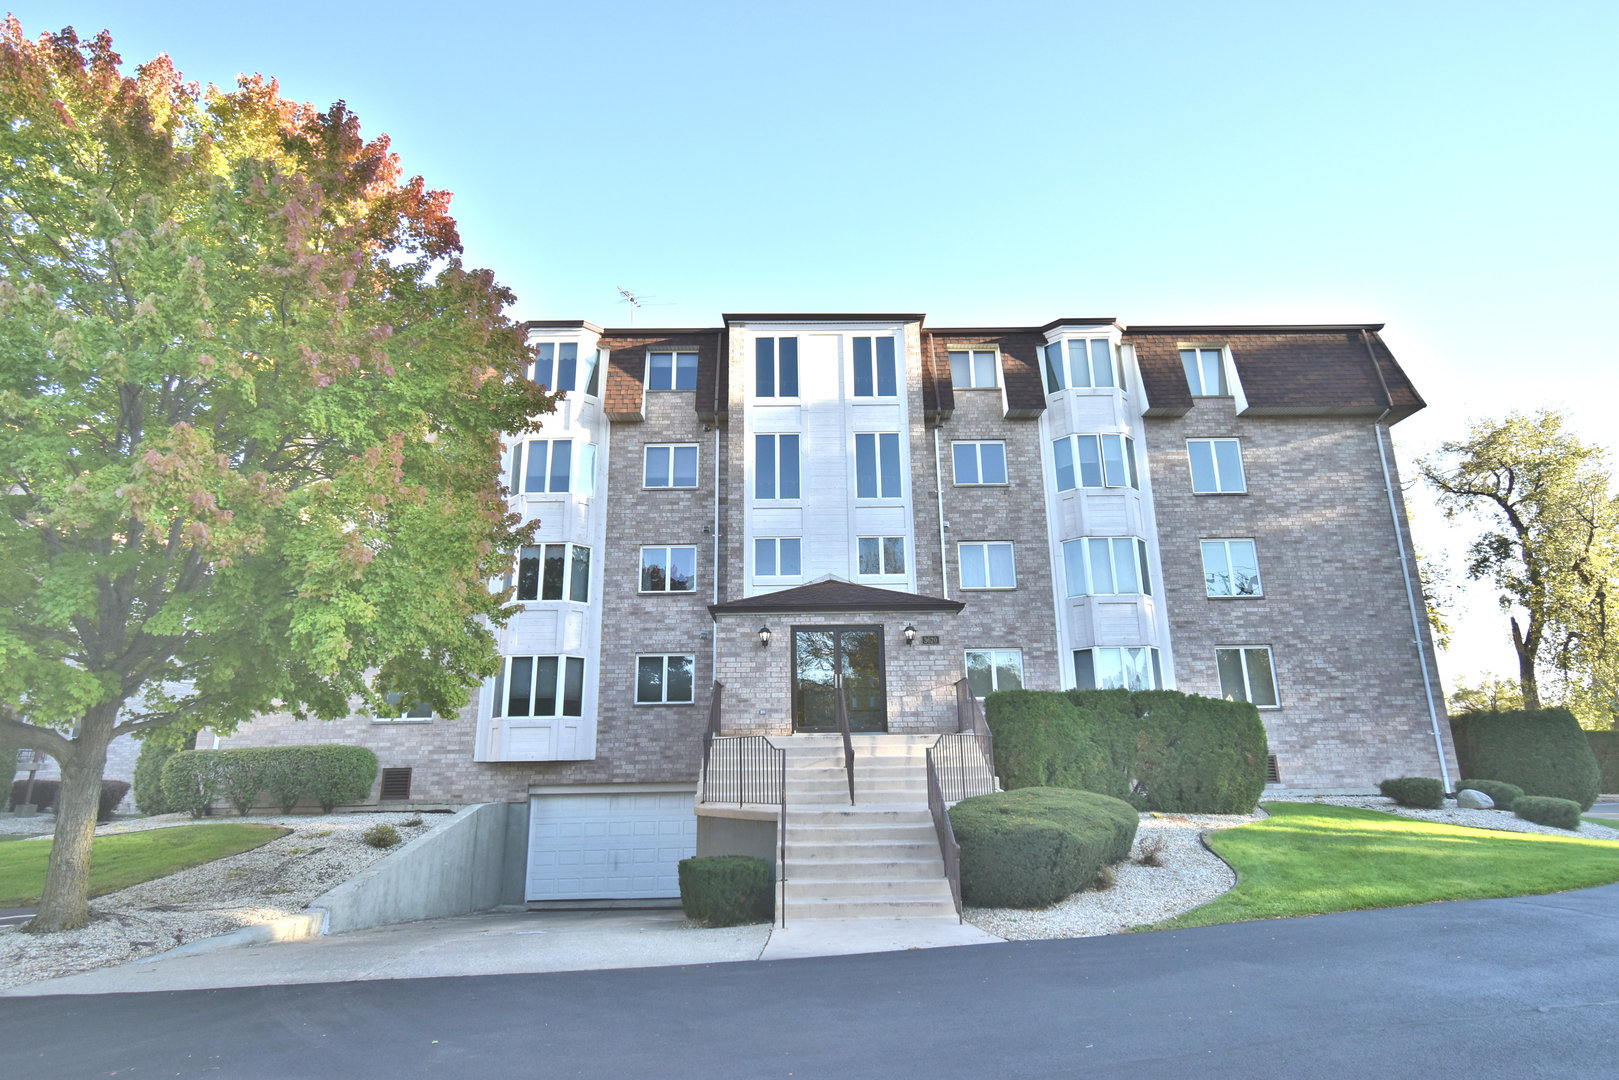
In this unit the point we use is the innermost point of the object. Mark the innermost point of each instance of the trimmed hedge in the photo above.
(727, 890)
(1543, 751)
(149, 798)
(43, 797)
(1500, 792)
(1034, 846)
(47, 793)
(112, 793)
(329, 774)
(1156, 749)
(1605, 748)
(1423, 792)
(1547, 810)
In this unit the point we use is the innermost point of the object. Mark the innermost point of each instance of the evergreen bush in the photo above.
(726, 890)
(43, 796)
(241, 776)
(1500, 792)
(1041, 741)
(112, 793)
(1542, 751)
(1422, 792)
(191, 780)
(328, 773)
(284, 773)
(1198, 755)
(339, 774)
(149, 798)
(1547, 810)
(1605, 748)
(1034, 846)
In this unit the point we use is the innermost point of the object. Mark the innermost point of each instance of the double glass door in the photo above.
(827, 658)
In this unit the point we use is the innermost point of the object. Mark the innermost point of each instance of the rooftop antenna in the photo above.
(630, 299)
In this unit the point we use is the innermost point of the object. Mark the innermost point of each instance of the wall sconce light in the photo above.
(910, 634)
(707, 529)
(764, 637)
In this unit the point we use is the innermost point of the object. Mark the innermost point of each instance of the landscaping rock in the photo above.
(1468, 799)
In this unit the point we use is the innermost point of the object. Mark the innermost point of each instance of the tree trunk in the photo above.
(65, 903)
(1526, 668)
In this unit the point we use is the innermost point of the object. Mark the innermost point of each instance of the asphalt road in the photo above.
(1517, 988)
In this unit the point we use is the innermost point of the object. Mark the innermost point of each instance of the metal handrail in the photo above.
(949, 849)
(970, 720)
(753, 771)
(713, 729)
(848, 741)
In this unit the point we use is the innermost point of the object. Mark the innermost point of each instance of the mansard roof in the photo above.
(834, 594)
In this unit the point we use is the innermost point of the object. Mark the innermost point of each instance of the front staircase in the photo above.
(880, 857)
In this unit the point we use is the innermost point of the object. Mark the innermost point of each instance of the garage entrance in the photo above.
(609, 845)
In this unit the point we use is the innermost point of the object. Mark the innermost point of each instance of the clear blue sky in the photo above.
(1448, 169)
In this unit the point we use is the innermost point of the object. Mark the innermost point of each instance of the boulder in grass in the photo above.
(1468, 799)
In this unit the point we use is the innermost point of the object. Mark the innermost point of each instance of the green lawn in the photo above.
(124, 859)
(1308, 860)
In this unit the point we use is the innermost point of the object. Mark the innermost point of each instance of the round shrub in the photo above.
(1542, 751)
(381, 836)
(726, 890)
(1605, 745)
(191, 780)
(1500, 792)
(1422, 792)
(1546, 810)
(149, 797)
(112, 793)
(1034, 846)
(340, 774)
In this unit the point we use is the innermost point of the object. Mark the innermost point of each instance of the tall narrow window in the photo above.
(1054, 367)
(1216, 466)
(671, 371)
(877, 465)
(979, 462)
(670, 466)
(775, 465)
(987, 566)
(875, 369)
(973, 369)
(1231, 568)
(775, 367)
(1205, 372)
(1247, 674)
(593, 373)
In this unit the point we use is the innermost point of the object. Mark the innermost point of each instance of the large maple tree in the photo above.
(250, 411)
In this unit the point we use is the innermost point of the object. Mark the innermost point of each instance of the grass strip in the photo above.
(120, 860)
(1308, 859)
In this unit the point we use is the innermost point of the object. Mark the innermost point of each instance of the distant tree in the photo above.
(1438, 594)
(1490, 693)
(1550, 545)
(250, 406)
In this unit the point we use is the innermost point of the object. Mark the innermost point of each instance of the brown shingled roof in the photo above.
(626, 365)
(834, 595)
(1020, 365)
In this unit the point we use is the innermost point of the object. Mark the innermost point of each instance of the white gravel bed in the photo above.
(37, 825)
(1503, 820)
(268, 883)
(1190, 875)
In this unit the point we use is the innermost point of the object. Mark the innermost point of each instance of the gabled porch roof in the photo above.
(833, 594)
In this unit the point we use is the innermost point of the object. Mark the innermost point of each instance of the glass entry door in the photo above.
(826, 658)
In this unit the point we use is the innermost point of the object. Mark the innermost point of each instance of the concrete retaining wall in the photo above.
(473, 862)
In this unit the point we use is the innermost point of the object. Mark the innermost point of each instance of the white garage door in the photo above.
(609, 847)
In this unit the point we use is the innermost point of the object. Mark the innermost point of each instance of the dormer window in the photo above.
(1090, 364)
(1205, 371)
(973, 369)
(671, 371)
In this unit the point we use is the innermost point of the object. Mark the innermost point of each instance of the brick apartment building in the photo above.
(787, 503)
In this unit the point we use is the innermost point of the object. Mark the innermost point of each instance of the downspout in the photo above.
(1405, 566)
(722, 356)
(938, 478)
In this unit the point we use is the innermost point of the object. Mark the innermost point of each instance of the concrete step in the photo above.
(877, 832)
(894, 907)
(860, 872)
(860, 813)
(914, 845)
(842, 888)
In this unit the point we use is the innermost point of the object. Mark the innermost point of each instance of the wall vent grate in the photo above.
(396, 785)
(1273, 771)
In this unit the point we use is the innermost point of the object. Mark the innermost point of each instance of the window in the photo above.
(541, 465)
(554, 572)
(881, 555)
(1246, 674)
(663, 680)
(1205, 371)
(775, 366)
(775, 467)
(777, 557)
(1118, 669)
(874, 372)
(979, 462)
(973, 370)
(1231, 568)
(987, 566)
(1093, 461)
(418, 713)
(556, 365)
(540, 686)
(1090, 364)
(876, 466)
(593, 368)
(671, 371)
(1216, 466)
(989, 670)
(670, 466)
(1102, 566)
(668, 569)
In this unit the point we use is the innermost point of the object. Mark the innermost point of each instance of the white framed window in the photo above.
(1247, 673)
(1231, 568)
(979, 462)
(540, 686)
(877, 468)
(419, 712)
(1095, 461)
(556, 364)
(668, 569)
(554, 572)
(876, 371)
(973, 369)
(777, 557)
(548, 466)
(670, 466)
(1205, 371)
(880, 556)
(1106, 565)
(1091, 363)
(987, 566)
(775, 367)
(671, 371)
(1129, 668)
(1216, 466)
(664, 679)
(775, 467)
(989, 670)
